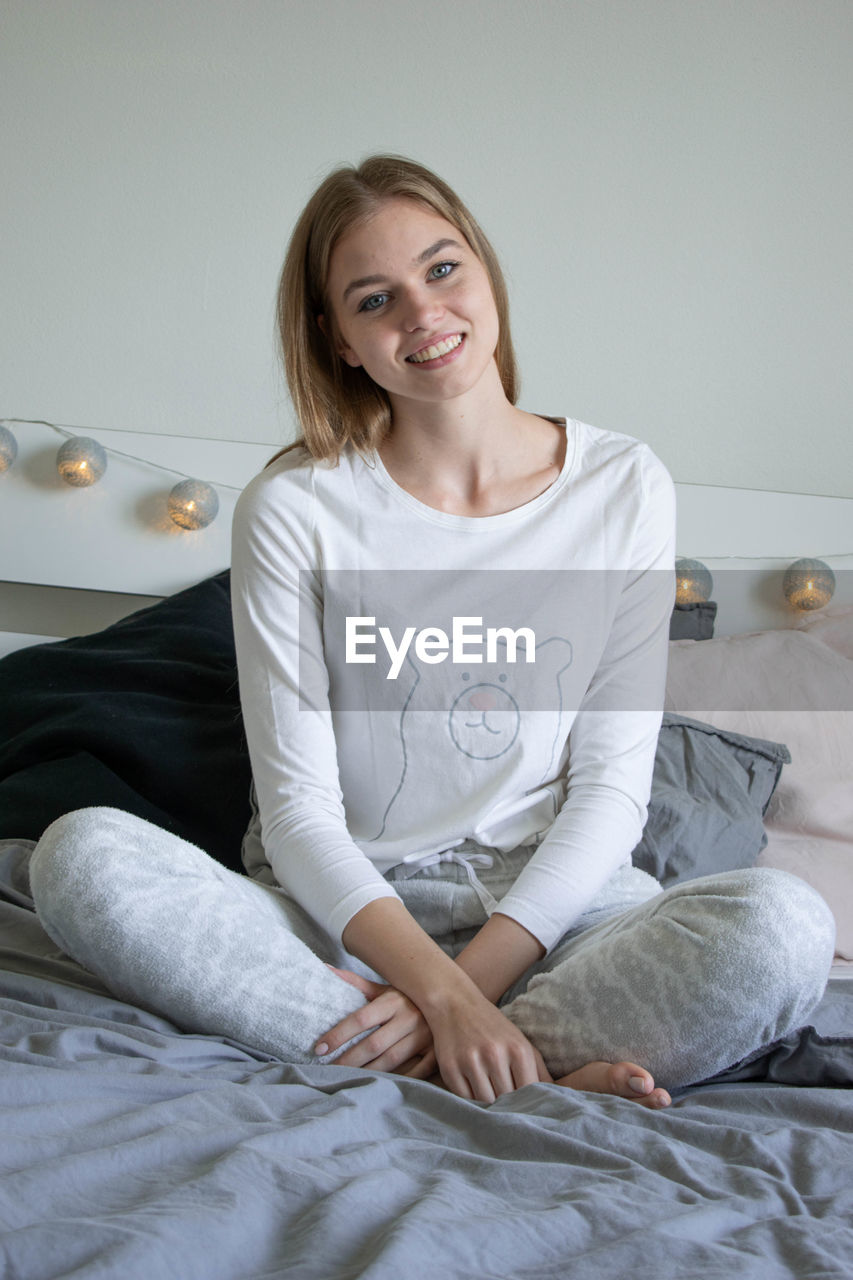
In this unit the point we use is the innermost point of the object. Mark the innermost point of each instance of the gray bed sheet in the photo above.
(130, 1149)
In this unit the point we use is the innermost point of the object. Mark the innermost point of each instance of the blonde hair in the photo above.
(335, 403)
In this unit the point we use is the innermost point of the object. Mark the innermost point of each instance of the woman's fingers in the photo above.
(482, 1055)
(384, 1052)
(364, 985)
(420, 1068)
(458, 1083)
(519, 1069)
(401, 1052)
(535, 1073)
(543, 1074)
(397, 1031)
(353, 1024)
(481, 1065)
(481, 1077)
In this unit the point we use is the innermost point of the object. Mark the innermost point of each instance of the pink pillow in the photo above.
(834, 626)
(791, 687)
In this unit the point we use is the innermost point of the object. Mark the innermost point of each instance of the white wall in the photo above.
(668, 182)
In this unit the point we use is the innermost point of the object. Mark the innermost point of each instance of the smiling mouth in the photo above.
(481, 725)
(434, 352)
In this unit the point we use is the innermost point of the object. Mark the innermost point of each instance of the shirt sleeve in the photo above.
(277, 609)
(613, 739)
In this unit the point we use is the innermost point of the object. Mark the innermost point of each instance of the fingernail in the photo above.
(320, 1049)
(638, 1084)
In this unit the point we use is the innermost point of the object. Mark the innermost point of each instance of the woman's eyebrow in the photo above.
(418, 261)
(436, 248)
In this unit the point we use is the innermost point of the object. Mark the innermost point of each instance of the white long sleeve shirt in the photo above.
(368, 751)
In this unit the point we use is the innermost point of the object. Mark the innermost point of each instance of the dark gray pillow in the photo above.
(143, 716)
(693, 621)
(710, 790)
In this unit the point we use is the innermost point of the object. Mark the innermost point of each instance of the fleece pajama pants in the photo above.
(684, 982)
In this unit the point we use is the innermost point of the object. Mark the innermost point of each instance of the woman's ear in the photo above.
(346, 353)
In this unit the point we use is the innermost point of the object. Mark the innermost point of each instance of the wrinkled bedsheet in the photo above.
(129, 1149)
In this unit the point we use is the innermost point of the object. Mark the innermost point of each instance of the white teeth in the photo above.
(440, 349)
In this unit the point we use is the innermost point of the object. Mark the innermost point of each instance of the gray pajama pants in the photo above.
(684, 982)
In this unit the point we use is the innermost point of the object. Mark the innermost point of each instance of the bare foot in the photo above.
(624, 1079)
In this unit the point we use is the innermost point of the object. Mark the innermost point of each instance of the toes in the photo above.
(624, 1079)
(630, 1081)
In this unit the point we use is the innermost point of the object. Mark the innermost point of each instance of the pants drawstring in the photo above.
(467, 860)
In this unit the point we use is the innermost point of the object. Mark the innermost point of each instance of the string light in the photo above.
(8, 449)
(193, 504)
(81, 461)
(693, 582)
(808, 584)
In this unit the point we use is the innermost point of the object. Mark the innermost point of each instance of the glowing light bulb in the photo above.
(81, 461)
(193, 504)
(808, 584)
(8, 449)
(694, 583)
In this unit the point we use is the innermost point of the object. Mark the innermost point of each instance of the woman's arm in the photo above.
(277, 606)
(611, 747)
(498, 955)
(479, 1052)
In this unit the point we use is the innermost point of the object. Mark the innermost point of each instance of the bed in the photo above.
(131, 1148)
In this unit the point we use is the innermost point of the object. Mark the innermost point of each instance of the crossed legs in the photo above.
(682, 986)
(686, 984)
(166, 927)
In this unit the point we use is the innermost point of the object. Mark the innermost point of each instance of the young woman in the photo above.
(439, 868)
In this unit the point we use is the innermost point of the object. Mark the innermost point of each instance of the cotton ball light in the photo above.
(694, 583)
(81, 461)
(8, 448)
(808, 584)
(193, 504)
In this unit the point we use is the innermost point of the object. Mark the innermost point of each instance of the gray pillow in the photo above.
(693, 621)
(710, 790)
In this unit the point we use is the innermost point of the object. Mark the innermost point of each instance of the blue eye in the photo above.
(442, 270)
(373, 303)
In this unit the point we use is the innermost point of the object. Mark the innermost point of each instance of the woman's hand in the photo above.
(401, 1040)
(480, 1053)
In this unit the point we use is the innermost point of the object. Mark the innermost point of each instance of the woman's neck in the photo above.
(474, 455)
(469, 430)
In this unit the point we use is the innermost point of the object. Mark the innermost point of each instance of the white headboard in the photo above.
(749, 537)
(116, 537)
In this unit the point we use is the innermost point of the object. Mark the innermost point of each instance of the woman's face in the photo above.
(413, 304)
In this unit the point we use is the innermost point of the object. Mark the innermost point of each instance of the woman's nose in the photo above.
(421, 310)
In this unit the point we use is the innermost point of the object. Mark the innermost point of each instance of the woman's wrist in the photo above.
(447, 992)
(384, 935)
(499, 954)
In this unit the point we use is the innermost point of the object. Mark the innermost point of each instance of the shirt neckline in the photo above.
(477, 524)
